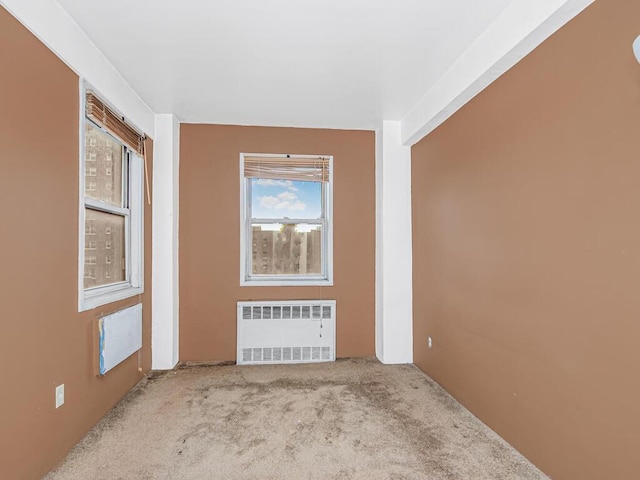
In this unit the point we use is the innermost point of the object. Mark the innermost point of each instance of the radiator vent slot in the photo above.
(278, 312)
(286, 332)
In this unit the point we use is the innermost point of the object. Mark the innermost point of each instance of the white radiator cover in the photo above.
(301, 331)
(120, 336)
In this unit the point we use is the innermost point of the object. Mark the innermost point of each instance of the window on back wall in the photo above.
(286, 220)
(111, 206)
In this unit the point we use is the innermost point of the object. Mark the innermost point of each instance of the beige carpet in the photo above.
(353, 419)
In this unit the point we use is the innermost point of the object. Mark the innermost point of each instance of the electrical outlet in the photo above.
(59, 395)
(429, 342)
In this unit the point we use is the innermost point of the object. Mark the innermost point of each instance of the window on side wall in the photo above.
(286, 220)
(111, 206)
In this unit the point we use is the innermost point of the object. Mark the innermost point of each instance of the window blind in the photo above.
(306, 169)
(110, 120)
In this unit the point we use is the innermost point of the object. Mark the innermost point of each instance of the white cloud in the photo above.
(288, 196)
(267, 182)
(269, 202)
(283, 201)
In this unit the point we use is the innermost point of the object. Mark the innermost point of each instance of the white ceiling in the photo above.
(306, 63)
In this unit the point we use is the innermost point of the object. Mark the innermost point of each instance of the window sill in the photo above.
(291, 282)
(102, 296)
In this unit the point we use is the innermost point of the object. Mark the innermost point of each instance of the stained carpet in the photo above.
(352, 419)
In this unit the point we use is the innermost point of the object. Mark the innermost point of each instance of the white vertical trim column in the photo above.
(166, 162)
(394, 309)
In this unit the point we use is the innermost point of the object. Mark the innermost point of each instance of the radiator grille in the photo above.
(284, 354)
(286, 332)
(297, 312)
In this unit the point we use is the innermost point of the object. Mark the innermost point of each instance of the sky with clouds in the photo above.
(285, 198)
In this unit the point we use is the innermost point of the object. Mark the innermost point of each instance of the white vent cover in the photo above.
(120, 335)
(286, 332)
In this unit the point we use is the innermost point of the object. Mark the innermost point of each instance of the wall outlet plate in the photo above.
(429, 342)
(59, 395)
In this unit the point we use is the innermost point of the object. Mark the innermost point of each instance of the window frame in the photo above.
(247, 278)
(133, 213)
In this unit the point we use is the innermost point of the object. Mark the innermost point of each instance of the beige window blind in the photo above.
(308, 169)
(110, 120)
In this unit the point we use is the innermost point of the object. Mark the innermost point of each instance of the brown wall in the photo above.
(210, 234)
(526, 211)
(44, 341)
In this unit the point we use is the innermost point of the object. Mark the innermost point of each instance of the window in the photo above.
(286, 210)
(111, 230)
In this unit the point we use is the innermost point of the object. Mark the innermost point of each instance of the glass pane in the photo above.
(285, 249)
(281, 199)
(102, 166)
(104, 249)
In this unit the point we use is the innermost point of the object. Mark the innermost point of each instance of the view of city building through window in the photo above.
(286, 227)
(104, 250)
(289, 250)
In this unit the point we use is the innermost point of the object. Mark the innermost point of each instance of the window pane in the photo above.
(281, 199)
(102, 166)
(286, 249)
(104, 249)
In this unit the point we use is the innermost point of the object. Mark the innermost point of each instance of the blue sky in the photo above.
(285, 198)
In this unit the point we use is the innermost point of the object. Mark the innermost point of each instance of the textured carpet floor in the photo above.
(353, 419)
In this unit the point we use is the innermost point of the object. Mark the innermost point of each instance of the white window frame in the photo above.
(247, 278)
(133, 285)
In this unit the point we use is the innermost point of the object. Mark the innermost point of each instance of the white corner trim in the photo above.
(379, 265)
(394, 278)
(523, 26)
(48, 21)
(166, 163)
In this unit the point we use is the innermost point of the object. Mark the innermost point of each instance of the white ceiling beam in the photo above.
(523, 26)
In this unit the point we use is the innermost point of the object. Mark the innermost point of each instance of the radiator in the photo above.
(286, 332)
(120, 336)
